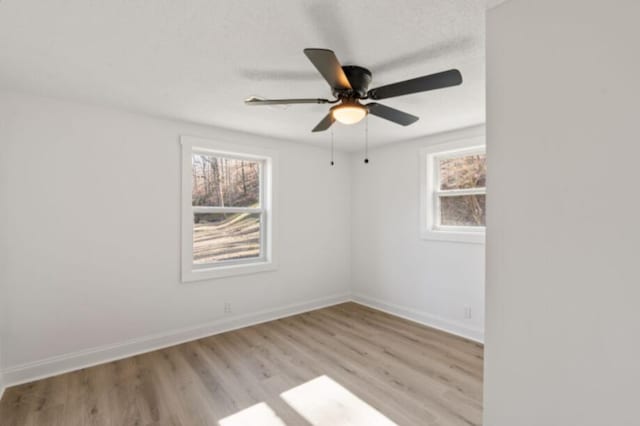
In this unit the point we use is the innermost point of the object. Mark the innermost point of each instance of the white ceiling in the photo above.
(196, 60)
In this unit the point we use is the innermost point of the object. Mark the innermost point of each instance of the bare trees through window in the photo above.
(462, 190)
(225, 182)
(227, 209)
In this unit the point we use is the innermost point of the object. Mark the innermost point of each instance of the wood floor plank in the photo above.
(384, 367)
(393, 350)
(406, 362)
(350, 359)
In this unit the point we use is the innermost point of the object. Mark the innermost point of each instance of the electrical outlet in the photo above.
(227, 308)
(467, 312)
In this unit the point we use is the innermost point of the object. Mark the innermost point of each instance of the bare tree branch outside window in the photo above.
(462, 173)
(226, 183)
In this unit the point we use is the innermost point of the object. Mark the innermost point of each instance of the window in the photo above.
(453, 191)
(227, 210)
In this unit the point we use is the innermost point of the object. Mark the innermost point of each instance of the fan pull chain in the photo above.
(332, 143)
(366, 140)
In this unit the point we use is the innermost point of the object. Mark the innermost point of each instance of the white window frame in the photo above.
(268, 166)
(430, 193)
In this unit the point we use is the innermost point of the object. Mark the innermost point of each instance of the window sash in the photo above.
(237, 157)
(262, 211)
(437, 160)
(431, 195)
(243, 261)
(437, 207)
(439, 193)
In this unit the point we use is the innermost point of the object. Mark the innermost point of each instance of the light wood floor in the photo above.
(346, 363)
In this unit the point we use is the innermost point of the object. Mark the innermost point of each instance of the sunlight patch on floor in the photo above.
(259, 414)
(324, 402)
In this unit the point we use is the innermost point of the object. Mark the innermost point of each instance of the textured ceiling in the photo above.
(196, 60)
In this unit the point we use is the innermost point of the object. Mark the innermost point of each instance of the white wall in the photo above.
(92, 236)
(393, 268)
(1, 375)
(563, 284)
(4, 184)
(2, 327)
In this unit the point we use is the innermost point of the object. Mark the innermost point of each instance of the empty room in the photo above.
(319, 212)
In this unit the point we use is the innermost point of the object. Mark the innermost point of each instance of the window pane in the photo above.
(225, 182)
(463, 210)
(225, 236)
(463, 172)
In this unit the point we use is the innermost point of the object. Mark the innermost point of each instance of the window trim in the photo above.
(430, 195)
(267, 260)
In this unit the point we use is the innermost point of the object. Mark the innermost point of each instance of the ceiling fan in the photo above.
(349, 85)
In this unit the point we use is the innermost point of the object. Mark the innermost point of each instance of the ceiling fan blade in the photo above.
(329, 66)
(260, 101)
(325, 123)
(416, 85)
(391, 114)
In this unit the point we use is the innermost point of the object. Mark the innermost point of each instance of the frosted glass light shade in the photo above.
(349, 113)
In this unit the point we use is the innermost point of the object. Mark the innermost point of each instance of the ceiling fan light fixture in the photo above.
(349, 113)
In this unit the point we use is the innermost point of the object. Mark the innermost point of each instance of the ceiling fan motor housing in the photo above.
(360, 79)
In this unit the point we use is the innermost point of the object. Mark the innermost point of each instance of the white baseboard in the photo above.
(423, 318)
(74, 361)
(99, 355)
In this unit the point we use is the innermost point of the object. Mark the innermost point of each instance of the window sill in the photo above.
(454, 236)
(227, 271)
